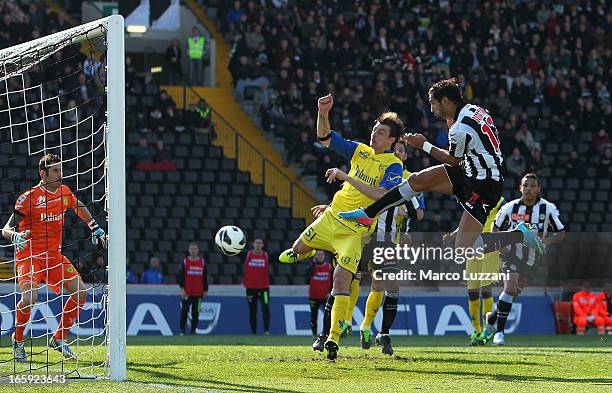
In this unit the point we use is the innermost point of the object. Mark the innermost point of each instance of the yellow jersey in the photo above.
(376, 170)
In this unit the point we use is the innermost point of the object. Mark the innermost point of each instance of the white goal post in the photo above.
(19, 59)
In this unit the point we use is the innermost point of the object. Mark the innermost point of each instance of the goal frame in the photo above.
(32, 52)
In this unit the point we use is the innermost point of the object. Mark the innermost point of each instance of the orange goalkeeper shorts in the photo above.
(52, 268)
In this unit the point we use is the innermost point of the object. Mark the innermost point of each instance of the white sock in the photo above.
(407, 192)
(505, 297)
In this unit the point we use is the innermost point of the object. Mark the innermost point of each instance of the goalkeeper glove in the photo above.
(97, 234)
(20, 239)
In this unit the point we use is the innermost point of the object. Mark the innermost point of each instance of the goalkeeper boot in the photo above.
(499, 339)
(347, 329)
(332, 350)
(19, 352)
(474, 338)
(365, 337)
(61, 346)
(385, 342)
(290, 256)
(358, 215)
(531, 239)
(319, 343)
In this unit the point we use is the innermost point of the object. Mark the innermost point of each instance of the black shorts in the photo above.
(477, 197)
(524, 270)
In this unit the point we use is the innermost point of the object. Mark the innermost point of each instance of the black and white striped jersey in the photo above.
(474, 137)
(543, 215)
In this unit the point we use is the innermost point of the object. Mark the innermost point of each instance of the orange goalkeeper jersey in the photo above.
(43, 214)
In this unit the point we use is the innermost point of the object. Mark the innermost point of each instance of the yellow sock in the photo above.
(341, 303)
(487, 306)
(475, 314)
(354, 296)
(372, 304)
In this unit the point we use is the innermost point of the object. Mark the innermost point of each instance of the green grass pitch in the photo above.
(281, 364)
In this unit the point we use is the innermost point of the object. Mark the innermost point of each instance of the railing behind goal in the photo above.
(64, 94)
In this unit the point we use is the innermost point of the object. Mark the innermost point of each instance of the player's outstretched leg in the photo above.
(395, 196)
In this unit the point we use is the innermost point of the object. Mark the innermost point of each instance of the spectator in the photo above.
(192, 280)
(143, 151)
(604, 167)
(535, 162)
(234, 16)
(584, 309)
(574, 165)
(174, 56)
(256, 280)
(516, 163)
(319, 286)
(130, 276)
(600, 140)
(196, 47)
(153, 274)
(161, 152)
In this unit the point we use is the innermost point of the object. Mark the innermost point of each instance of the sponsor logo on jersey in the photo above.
(364, 154)
(51, 217)
(65, 199)
(359, 174)
(521, 217)
(41, 201)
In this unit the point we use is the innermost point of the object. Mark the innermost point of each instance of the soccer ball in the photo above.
(230, 240)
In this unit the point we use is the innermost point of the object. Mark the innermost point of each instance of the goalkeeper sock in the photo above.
(487, 306)
(69, 317)
(504, 305)
(21, 320)
(372, 305)
(475, 314)
(354, 296)
(389, 312)
(341, 303)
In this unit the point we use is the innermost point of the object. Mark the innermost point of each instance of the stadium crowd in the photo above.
(542, 69)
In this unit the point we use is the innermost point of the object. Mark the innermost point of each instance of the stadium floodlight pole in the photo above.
(116, 198)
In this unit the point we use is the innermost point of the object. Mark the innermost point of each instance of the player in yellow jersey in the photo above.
(392, 229)
(374, 169)
(489, 263)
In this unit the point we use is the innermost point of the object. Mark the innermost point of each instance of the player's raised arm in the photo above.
(419, 141)
(20, 239)
(323, 128)
(97, 233)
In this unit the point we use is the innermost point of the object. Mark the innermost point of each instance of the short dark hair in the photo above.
(47, 161)
(531, 176)
(448, 88)
(393, 121)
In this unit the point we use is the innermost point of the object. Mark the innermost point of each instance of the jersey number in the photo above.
(489, 129)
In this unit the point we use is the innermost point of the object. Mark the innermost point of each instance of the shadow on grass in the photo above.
(468, 361)
(503, 377)
(167, 378)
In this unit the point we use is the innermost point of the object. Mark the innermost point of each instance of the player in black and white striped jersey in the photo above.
(471, 171)
(519, 261)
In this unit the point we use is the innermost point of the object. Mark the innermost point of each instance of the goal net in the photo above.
(63, 94)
